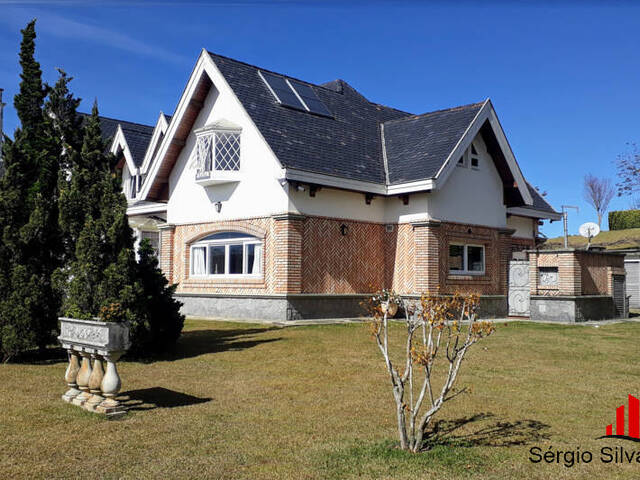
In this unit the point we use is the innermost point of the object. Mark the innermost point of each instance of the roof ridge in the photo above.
(262, 69)
(117, 120)
(391, 108)
(426, 114)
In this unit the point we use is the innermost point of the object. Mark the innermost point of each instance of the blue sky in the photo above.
(563, 78)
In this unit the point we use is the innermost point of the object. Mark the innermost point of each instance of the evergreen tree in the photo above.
(94, 214)
(30, 249)
(158, 319)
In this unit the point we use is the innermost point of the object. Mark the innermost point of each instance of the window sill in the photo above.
(210, 281)
(467, 276)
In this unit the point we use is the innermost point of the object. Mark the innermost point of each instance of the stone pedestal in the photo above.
(95, 342)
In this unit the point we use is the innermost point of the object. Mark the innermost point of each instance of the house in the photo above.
(273, 198)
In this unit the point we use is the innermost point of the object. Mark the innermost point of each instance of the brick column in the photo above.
(504, 254)
(287, 245)
(569, 273)
(167, 232)
(533, 272)
(427, 256)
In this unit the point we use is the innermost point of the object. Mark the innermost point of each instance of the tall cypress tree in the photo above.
(31, 240)
(94, 213)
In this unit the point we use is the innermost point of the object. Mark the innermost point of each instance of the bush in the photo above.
(624, 219)
(157, 321)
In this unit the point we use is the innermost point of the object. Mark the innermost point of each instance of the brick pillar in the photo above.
(533, 273)
(427, 256)
(569, 273)
(504, 255)
(287, 244)
(167, 234)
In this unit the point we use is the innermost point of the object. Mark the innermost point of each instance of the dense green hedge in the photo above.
(623, 219)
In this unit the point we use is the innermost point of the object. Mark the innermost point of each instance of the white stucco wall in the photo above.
(257, 193)
(471, 195)
(524, 227)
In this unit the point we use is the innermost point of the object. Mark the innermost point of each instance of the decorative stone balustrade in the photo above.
(90, 344)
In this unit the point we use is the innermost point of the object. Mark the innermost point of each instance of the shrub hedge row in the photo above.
(623, 219)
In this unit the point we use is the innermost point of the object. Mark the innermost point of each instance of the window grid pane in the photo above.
(475, 258)
(227, 151)
(235, 259)
(216, 260)
(204, 153)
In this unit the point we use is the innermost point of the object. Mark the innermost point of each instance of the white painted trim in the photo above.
(356, 185)
(161, 128)
(120, 141)
(533, 213)
(384, 154)
(143, 209)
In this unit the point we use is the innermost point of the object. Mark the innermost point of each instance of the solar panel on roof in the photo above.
(283, 92)
(310, 98)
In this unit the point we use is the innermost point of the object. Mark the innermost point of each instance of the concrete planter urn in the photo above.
(90, 345)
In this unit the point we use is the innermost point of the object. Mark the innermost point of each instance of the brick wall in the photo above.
(579, 272)
(311, 255)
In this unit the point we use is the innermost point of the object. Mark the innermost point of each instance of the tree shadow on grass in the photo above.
(483, 431)
(194, 343)
(157, 397)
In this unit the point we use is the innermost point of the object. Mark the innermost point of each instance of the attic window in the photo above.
(294, 94)
(475, 158)
(217, 152)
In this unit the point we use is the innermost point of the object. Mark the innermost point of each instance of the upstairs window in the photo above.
(475, 158)
(217, 150)
(227, 254)
(466, 259)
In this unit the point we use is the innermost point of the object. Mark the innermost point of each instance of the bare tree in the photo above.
(598, 192)
(628, 166)
(434, 329)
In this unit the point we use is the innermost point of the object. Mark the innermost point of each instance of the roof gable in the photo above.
(417, 146)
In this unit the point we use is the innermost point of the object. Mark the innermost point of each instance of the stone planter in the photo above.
(90, 344)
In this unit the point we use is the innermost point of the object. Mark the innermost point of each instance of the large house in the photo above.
(270, 197)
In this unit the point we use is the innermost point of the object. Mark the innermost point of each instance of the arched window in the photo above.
(227, 254)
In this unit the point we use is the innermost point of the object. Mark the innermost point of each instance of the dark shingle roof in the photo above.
(137, 135)
(347, 145)
(418, 145)
(539, 203)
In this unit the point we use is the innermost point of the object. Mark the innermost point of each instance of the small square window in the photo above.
(466, 259)
(475, 161)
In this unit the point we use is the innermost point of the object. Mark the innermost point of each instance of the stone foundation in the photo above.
(300, 307)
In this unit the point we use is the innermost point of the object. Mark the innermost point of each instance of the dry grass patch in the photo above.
(249, 401)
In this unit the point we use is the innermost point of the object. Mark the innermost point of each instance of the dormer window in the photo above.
(217, 153)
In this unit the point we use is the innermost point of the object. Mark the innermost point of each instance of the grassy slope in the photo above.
(615, 239)
(313, 402)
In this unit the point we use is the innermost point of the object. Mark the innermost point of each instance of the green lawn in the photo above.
(247, 401)
(614, 239)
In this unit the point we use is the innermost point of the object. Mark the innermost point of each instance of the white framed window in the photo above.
(227, 254)
(217, 151)
(466, 259)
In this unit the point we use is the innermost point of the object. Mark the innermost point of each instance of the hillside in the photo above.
(615, 239)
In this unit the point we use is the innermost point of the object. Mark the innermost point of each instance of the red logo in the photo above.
(633, 431)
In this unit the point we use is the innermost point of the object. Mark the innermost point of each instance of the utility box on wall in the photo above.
(573, 285)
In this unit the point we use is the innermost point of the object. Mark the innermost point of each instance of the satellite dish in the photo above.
(589, 229)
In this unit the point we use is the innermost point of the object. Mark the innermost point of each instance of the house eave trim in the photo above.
(533, 213)
(356, 185)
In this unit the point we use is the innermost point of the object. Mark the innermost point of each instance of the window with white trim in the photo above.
(217, 150)
(466, 259)
(227, 254)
